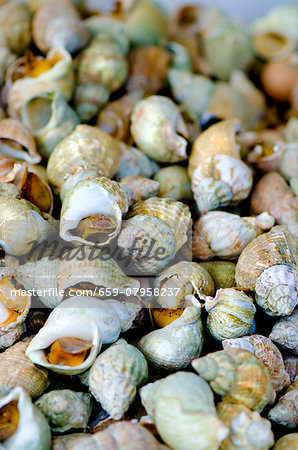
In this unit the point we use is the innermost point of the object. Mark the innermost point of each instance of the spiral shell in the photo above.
(142, 187)
(222, 273)
(264, 349)
(238, 377)
(230, 314)
(115, 375)
(134, 162)
(285, 411)
(285, 332)
(173, 183)
(15, 29)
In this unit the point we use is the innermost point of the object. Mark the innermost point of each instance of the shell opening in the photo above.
(96, 228)
(43, 106)
(34, 67)
(9, 420)
(175, 289)
(69, 352)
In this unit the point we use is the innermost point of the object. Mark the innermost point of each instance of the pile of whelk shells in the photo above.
(171, 123)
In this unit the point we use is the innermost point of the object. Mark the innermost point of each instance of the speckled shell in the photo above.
(174, 346)
(238, 377)
(217, 139)
(17, 141)
(248, 430)
(264, 349)
(60, 78)
(291, 367)
(285, 332)
(222, 273)
(142, 187)
(65, 409)
(17, 370)
(57, 23)
(155, 124)
(85, 148)
(287, 442)
(15, 26)
(285, 411)
(107, 27)
(230, 314)
(173, 183)
(183, 401)
(115, 376)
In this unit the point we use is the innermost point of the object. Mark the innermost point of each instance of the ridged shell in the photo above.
(238, 377)
(115, 376)
(285, 411)
(15, 26)
(285, 332)
(264, 349)
(174, 346)
(230, 314)
(222, 273)
(142, 188)
(17, 370)
(85, 148)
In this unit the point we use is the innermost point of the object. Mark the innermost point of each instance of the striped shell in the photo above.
(222, 273)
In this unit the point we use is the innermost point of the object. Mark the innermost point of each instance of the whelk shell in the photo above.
(285, 411)
(285, 332)
(287, 442)
(222, 273)
(15, 29)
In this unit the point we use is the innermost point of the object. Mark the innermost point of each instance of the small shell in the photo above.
(115, 376)
(289, 161)
(264, 349)
(52, 74)
(100, 201)
(291, 367)
(173, 183)
(230, 314)
(222, 273)
(278, 79)
(287, 442)
(142, 188)
(57, 23)
(6, 59)
(182, 281)
(134, 162)
(50, 119)
(31, 430)
(285, 411)
(106, 27)
(285, 332)
(16, 141)
(65, 409)
(17, 370)
(89, 98)
(85, 148)
(238, 377)
(270, 45)
(184, 401)
(15, 29)
(155, 124)
(174, 346)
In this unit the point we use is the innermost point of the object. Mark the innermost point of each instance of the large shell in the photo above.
(32, 431)
(264, 349)
(285, 411)
(248, 430)
(57, 77)
(173, 183)
(155, 124)
(285, 332)
(222, 273)
(85, 148)
(219, 139)
(17, 141)
(115, 376)
(181, 281)
(92, 320)
(101, 198)
(65, 409)
(15, 26)
(238, 377)
(287, 442)
(183, 401)
(230, 314)
(17, 370)
(174, 346)
(50, 119)
(57, 23)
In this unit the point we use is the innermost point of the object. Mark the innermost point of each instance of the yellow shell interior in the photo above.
(34, 67)
(96, 228)
(162, 317)
(12, 306)
(9, 419)
(68, 352)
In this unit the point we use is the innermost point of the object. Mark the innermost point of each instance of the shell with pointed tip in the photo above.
(230, 314)
(181, 281)
(285, 332)
(15, 28)
(65, 409)
(32, 430)
(123, 434)
(91, 197)
(17, 370)
(285, 411)
(225, 235)
(173, 183)
(177, 344)
(107, 27)
(222, 273)
(219, 181)
(50, 119)
(93, 320)
(287, 442)
(219, 139)
(268, 266)
(86, 148)
(238, 377)
(155, 124)
(142, 187)
(264, 349)
(134, 162)
(57, 23)
(248, 430)
(59, 78)
(182, 408)
(21, 226)
(115, 376)
(17, 141)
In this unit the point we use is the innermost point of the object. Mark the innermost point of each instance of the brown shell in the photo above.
(142, 187)
(287, 442)
(278, 246)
